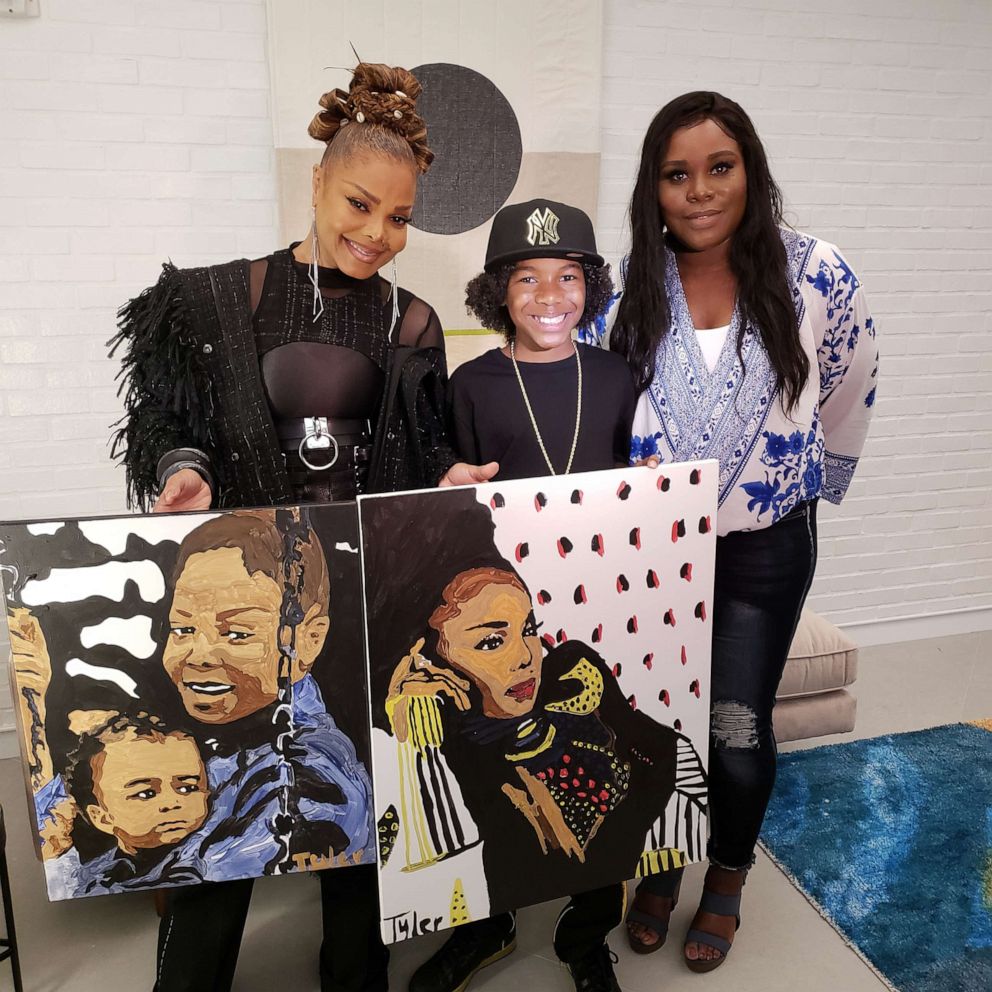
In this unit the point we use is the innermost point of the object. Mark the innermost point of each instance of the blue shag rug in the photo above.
(891, 840)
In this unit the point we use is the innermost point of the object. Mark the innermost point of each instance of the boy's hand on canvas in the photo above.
(416, 677)
(186, 490)
(463, 474)
(653, 462)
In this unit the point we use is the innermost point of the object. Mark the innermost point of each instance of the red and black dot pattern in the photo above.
(661, 516)
(587, 782)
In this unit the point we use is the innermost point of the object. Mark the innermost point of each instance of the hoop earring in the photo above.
(318, 299)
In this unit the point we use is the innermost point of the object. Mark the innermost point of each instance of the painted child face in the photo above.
(703, 187)
(545, 298)
(363, 207)
(150, 791)
(222, 651)
(493, 640)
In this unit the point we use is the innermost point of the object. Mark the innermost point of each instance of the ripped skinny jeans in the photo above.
(762, 578)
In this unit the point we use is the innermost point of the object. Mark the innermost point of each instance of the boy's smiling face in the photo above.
(150, 791)
(222, 651)
(545, 298)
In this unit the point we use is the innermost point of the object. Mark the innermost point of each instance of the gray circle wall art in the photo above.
(474, 134)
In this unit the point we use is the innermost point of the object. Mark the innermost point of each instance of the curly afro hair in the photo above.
(485, 297)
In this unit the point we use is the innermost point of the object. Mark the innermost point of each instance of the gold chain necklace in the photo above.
(533, 419)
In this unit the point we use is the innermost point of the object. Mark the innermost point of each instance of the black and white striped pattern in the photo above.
(683, 824)
(444, 820)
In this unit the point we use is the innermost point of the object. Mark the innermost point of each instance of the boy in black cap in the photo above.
(542, 404)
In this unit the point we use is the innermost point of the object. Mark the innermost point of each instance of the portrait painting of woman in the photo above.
(560, 773)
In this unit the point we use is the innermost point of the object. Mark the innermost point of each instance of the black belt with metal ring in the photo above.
(309, 437)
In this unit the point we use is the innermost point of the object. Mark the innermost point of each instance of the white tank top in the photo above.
(711, 341)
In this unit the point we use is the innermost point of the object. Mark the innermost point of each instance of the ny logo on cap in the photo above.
(542, 228)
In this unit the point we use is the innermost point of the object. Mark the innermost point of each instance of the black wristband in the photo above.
(179, 458)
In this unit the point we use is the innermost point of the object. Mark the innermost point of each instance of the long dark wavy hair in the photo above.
(757, 256)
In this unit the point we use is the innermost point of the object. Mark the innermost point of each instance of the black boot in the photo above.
(593, 972)
(469, 949)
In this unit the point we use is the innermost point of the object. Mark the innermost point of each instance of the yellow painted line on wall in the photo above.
(470, 331)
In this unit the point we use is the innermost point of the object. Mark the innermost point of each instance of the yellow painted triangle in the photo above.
(459, 907)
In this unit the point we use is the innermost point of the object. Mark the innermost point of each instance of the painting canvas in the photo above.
(191, 695)
(539, 657)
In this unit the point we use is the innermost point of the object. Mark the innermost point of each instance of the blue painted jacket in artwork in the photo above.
(770, 461)
(245, 834)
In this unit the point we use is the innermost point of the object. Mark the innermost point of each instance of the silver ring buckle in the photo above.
(318, 438)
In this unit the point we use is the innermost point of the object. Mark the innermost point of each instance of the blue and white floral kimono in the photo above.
(769, 461)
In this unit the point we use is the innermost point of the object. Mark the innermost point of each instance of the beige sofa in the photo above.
(812, 698)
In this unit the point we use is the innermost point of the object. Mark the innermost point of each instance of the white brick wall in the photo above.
(877, 117)
(130, 132)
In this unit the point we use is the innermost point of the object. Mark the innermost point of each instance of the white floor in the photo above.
(108, 944)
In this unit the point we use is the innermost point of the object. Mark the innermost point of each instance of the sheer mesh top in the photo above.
(334, 366)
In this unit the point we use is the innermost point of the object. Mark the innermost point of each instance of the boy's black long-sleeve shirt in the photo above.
(489, 419)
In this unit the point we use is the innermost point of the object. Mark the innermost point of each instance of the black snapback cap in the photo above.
(541, 229)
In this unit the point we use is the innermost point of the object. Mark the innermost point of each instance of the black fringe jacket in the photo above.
(190, 377)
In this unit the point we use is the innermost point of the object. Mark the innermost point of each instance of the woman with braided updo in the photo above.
(301, 377)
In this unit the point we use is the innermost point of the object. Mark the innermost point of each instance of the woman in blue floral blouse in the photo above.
(752, 345)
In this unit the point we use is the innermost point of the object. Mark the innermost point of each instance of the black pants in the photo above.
(582, 925)
(200, 934)
(762, 578)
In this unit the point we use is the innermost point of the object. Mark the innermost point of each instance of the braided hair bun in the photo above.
(378, 108)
